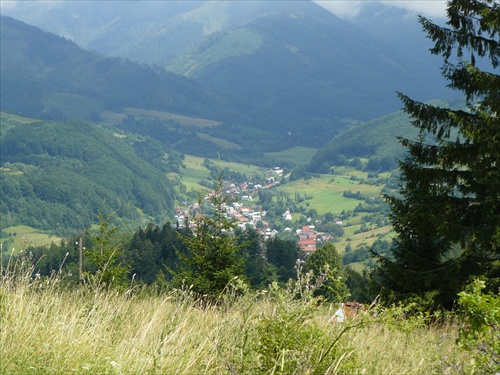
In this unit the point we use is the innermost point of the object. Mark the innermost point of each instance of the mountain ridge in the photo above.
(307, 74)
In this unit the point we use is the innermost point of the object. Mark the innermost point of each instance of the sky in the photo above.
(347, 8)
(350, 8)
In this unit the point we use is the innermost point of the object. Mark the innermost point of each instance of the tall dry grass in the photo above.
(49, 328)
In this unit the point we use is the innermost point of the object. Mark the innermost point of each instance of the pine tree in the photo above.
(212, 259)
(447, 217)
(112, 270)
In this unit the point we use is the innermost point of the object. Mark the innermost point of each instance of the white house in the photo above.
(287, 215)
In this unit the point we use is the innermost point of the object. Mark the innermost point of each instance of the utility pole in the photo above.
(80, 246)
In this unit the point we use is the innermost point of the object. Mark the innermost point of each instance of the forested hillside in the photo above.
(308, 66)
(291, 69)
(375, 140)
(45, 75)
(56, 175)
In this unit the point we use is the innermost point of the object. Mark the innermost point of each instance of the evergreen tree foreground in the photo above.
(447, 216)
(212, 260)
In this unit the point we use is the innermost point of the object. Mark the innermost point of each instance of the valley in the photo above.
(309, 199)
(249, 187)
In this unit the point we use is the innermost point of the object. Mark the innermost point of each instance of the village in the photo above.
(246, 212)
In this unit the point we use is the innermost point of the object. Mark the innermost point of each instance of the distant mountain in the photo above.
(43, 74)
(57, 175)
(303, 63)
(151, 32)
(292, 68)
(46, 76)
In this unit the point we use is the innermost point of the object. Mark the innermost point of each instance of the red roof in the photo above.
(307, 242)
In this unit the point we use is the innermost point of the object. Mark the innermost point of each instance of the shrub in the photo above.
(480, 332)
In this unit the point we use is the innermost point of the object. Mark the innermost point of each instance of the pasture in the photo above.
(195, 171)
(297, 155)
(326, 192)
(21, 236)
(145, 114)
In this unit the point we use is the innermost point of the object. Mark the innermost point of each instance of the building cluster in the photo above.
(309, 238)
(246, 214)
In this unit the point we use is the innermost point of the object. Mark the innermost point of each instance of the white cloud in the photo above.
(8, 4)
(429, 8)
(344, 9)
(350, 8)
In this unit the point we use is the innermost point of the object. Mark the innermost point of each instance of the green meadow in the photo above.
(297, 155)
(52, 328)
(21, 236)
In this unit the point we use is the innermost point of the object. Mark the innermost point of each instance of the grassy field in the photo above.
(9, 116)
(114, 118)
(222, 143)
(297, 155)
(22, 236)
(325, 194)
(50, 329)
(195, 171)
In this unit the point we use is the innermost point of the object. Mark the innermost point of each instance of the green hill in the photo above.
(302, 64)
(45, 75)
(290, 71)
(57, 175)
(375, 140)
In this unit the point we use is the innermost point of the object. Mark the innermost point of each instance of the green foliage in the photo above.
(327, 263)
(290, 342)
(480, 332)
(111, 271)
(58, 176)
(212, 260)
(258, 270)
(152, 251)
(283, 254)
(447, 216)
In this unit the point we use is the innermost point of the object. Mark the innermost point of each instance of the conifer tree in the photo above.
(112, 270)
(447, 217)
(212, 259)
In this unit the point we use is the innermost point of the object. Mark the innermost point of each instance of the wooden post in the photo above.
(80, 245)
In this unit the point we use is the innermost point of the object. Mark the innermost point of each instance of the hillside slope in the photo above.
(375, 140)
(46, 76)
(291, 67)
(57, 175)
(306, 65)
(43, 74)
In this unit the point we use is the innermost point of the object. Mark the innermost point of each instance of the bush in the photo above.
(481, 330)
(290, 341)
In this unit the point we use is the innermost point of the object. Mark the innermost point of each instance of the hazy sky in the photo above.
(350, 8)
(344, 8)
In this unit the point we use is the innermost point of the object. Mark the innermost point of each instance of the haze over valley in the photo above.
(109, 86)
